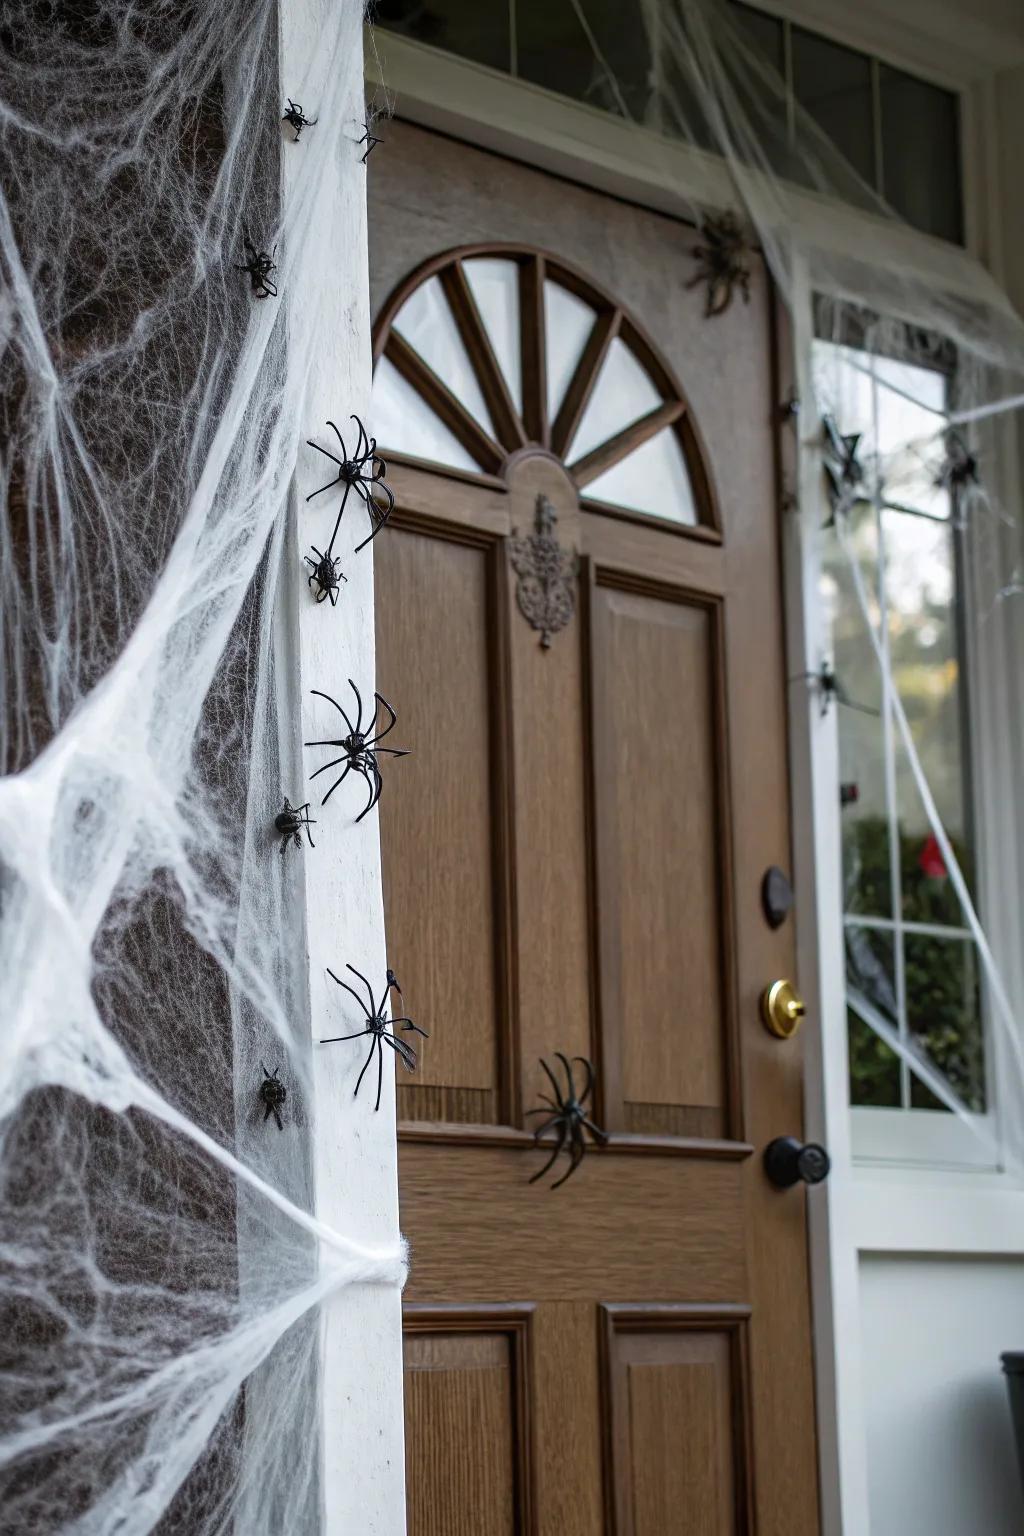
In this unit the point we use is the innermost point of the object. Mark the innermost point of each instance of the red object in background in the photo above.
(930, 860)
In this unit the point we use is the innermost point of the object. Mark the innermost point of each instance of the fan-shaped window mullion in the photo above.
(608, 453)
(570, 413)
(533, 350)
(485, 365)
(450, 410)
(507, 348)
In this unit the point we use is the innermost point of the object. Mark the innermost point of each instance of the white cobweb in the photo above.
(156, 1242)
(907, 310)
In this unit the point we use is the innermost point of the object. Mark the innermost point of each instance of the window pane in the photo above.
(910, 435)
(653, 479)
(402, 421)
(870, 970)
(921, 153)
(867, 876)
(834, 84)
(426, 322)
(552, 50)
(470, 28)
(495, 287)
(567, 324)
(765, 32)
(623, 393)
(944, 1016)
(924, 648)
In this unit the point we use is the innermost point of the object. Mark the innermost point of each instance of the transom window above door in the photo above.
(487, 352)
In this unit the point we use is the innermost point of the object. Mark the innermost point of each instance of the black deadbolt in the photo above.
(776, 896)
(788, 1161)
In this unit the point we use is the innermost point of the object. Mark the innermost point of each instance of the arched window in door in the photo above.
(486, 351)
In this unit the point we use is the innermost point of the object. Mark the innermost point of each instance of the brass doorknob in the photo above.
(782, 1009)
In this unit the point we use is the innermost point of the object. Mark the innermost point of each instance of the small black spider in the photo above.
(844, 470)
(259, 267)
(297, 119)
(569, 1118)
(290, 821)
(326, 576)
(960, 466)
(723, 263)
(273, 1095)
(376, 1026)
(352, 474)
(369, 138)
(829, 687)
(359, 748)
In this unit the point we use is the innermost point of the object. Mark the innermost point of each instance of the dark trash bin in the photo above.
(1013, 1365)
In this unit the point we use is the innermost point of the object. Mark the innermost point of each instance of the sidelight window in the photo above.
(911, 962)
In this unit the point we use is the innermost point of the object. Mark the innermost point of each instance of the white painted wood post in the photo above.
(355, 1153)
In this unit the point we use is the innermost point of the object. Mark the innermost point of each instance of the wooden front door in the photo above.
(573, 862)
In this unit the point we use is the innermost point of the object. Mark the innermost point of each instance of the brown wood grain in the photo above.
(468, 1430)
(437, 846)
(631, 922)
(677, 1438)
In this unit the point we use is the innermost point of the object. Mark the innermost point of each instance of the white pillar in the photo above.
(355, 1154)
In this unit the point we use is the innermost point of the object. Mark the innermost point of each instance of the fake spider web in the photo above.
(690, 80)
(161, 1266)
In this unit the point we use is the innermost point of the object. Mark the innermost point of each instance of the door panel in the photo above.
(659, 770)
(572, 862)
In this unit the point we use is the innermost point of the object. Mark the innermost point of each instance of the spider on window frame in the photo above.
(326, 575)
(569, 1118)
(290, 821)
(297, 119)
(351, 475)
(843, 468)
(259, 267)
(369, 138)
(830, 687)
(272, 1094)
(377, 1027)
(359, 748)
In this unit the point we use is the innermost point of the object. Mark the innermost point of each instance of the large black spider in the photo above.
(326, 576)
(369, 138)
(297, 119)
(290, 821)
(959, 467)
(352, 474)
(569, 1118)
(377, 1027)
(259, 267)
(831, 688)
(359, 748)
(844, 470)
(723, 263)
(273, 1095)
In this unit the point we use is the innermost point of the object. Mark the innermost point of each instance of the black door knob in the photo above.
(787, 1161)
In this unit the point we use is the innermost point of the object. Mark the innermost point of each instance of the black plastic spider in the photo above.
(259, 267)
(960, 466)
(359, 748)
(297, 119)
(377, 1026)
(351, 474)
(723, 263)
(569, 1117)
(290, 821)
(326, 576)
(273, 1095)
(844, 470)
(829, 687)
(369, 138)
